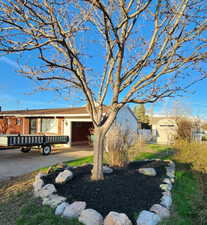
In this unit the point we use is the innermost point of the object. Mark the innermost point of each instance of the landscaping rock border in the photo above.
(87, 216)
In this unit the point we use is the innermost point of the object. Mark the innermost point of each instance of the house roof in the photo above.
(155, 120)
(81, 112)
(77, 110)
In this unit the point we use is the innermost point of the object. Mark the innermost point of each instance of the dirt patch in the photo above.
(125, 190)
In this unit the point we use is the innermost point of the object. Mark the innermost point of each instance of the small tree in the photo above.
(140, 113)
(142, 49)
(184, 129)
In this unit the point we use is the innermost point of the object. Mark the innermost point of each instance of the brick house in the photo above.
(74, 122)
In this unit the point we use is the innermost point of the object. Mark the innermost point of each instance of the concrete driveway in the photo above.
(15, 163)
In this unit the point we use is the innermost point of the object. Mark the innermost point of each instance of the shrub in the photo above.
(184, 129)
(117, 143)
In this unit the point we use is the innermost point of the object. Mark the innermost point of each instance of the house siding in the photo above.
(126, 119)
(65, 120)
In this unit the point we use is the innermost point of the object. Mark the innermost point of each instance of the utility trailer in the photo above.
(26, 142)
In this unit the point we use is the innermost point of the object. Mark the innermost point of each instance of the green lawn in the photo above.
(76, 162)
(44, 215)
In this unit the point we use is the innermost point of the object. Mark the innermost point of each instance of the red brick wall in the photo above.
(11, 125)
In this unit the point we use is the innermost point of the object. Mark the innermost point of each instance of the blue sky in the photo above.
(17, 92)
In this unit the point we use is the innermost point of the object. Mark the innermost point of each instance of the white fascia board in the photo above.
(78, 119)
(46, 115)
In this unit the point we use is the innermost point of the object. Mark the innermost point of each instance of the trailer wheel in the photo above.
(46, 149)
(25, 149)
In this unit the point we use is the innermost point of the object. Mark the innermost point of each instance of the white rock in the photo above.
(170, 172)
(107, 170)
(161, 211)
(38, 184)
(168, 193)
(167, 181)
(90, 217)
(166, 187)
(167, 161)
(39, 176)
(148, 218)
(53, 200)
(170, 163)
(114, 218)
(148, 171)
(60, 208)
(172, 180)
(157, 160)
(166, 201)
(47, 190)
(63, 177)
(74, 210)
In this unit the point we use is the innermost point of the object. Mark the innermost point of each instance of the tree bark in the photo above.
(97, 173)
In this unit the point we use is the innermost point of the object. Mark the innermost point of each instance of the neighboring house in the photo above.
(164, 129)
(74, 122)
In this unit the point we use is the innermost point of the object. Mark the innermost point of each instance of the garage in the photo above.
(81, 132)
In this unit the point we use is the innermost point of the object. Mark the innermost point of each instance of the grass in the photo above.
(184, 198)
(33, 215)
(189, 203)
(81, 161)
(155, 151)
(76, 162)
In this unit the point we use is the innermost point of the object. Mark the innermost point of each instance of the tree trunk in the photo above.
(98, 147)
(97, 173)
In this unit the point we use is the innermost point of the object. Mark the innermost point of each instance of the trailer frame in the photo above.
(26, 142)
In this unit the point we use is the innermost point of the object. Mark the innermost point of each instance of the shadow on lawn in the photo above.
(161, 154)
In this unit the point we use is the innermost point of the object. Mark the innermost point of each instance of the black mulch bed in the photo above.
(124, 191)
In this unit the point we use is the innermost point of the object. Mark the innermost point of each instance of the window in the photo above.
(48, 125)
(18, 121)
(32, 126)
(8, 121)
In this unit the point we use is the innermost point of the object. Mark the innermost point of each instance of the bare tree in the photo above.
(143, 49)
